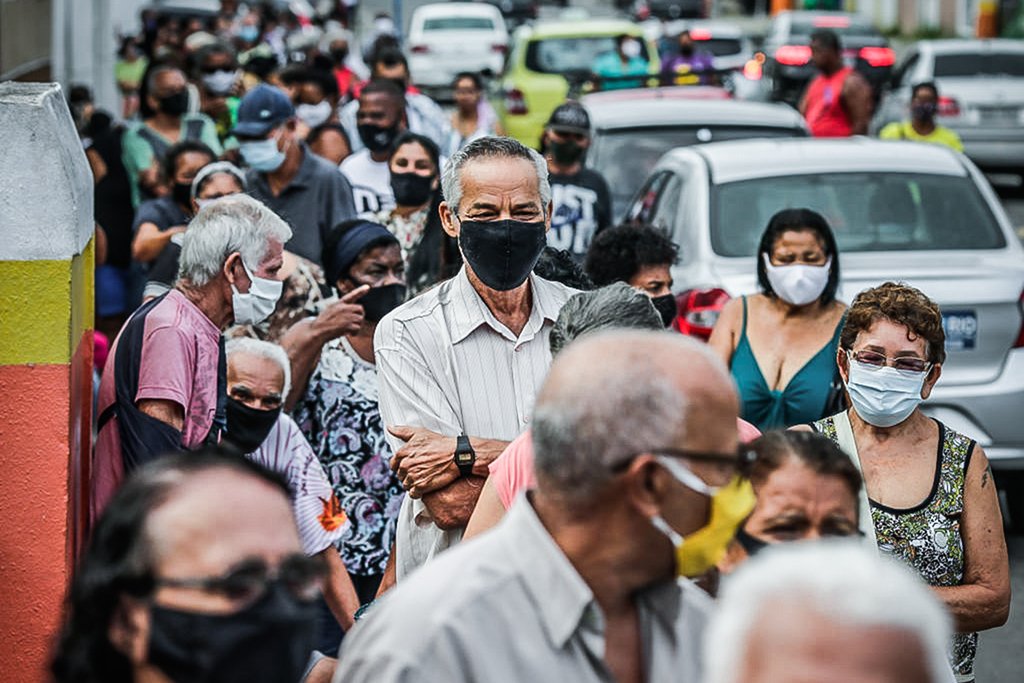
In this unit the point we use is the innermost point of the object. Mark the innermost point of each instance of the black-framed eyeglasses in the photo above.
(248, 581)
(873, 359)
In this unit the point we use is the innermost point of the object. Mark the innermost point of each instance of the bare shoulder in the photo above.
(855, 82)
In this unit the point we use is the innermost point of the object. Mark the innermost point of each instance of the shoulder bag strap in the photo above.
(844, 437)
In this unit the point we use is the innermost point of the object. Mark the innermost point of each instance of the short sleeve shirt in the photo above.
(138, 153)
(903, 130)
(162, 212)
(371, 183)
(581, 207)
(320, 518)
(180, 353)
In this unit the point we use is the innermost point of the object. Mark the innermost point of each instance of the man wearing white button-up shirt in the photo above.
(460, 365)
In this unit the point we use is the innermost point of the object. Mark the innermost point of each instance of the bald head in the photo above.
(616, 394)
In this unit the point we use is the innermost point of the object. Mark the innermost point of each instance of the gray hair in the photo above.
(492, 147)
(583, 428)
(262, 349)
(155, 72)
(618, 305)
(234, 223)
(840, 580)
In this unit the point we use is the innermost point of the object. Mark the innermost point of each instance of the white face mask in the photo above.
(631, 48)
(883, 397)
(797, 284)
(220, 82)
(313, 114)
(256, 305)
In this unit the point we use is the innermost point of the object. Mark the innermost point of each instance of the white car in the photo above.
(448, 38)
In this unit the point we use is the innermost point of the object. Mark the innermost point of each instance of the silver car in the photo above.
(981, 95)
(912, 212)
(633, 128)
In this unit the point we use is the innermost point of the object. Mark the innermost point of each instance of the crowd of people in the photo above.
(388, 397)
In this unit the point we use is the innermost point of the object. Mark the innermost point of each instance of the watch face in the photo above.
(464, 458)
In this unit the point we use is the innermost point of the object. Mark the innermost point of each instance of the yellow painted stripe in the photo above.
(45, 306)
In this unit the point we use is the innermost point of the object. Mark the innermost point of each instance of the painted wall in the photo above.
(46, 318)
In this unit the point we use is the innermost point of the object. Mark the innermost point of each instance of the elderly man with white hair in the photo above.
(826, 611)
(460, 365)
(258, 379)
(636, 453)
(163, 387)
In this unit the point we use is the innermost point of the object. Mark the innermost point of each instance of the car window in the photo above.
(458, 24)
(974, 64)
(646, 200)
(844, 26)
(721, 47)
(902, 71)
(867, 211)
(563, 55)
(625, 156)
(667, 206)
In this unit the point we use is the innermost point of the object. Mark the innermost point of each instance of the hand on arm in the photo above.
(982, 601)
(452, 506)
(426, 462)
(304, 340)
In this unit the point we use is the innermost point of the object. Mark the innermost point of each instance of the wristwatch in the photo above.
(465, 456)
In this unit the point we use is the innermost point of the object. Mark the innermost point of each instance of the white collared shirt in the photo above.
(446, 364)
(510, 606)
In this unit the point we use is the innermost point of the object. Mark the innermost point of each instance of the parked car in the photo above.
(451, 37)
(542, 56)
(733, 51)
(981, 95)
(788, 50)
(921, 214)
(633, 128)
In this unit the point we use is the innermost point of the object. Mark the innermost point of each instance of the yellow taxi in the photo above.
(544, 56)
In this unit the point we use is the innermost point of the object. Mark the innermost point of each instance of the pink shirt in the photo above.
(180, 350)
(513, 471)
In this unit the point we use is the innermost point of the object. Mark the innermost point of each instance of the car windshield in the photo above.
(867, 211)
(458, 24)
(564, 55)
(720, 47)
(974, 64)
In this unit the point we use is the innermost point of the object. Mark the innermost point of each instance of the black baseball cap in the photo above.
(261, 110)
(570, 117)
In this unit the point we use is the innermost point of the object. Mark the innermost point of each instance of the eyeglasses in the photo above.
(248, 581)
(874, 359)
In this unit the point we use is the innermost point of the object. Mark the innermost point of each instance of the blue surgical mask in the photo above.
(249, 33)
(883, 397)
(262, 155)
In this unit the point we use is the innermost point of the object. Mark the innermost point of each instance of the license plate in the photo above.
(999, 115)
(961, 328)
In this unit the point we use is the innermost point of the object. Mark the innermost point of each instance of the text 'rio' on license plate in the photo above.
(961, 328)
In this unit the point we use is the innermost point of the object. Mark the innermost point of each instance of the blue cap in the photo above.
(262, 109)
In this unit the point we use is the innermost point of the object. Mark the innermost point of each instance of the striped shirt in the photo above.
(446, 364)
(321, 521)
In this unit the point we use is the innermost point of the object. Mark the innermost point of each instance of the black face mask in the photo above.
(566, 152)
(377, 138)
(270, 640)
(248, 427)
(339, 56)
(752, 546)
(175, 104)
(182, 194)
(686, 50)
(411, 189)
(666, 306)
(380, 301)
(502, 253)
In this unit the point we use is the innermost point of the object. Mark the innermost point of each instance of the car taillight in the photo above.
(878, 56)
(419, 49)
(499, 48)
(793, 55)
(698, 310)
(948, 106)
(1019, 344)
(700, 34)
(515, 102)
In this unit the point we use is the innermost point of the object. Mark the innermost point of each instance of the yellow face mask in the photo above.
(730, 505)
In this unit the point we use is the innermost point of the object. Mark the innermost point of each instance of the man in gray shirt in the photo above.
(307, 191)
(579, 582)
